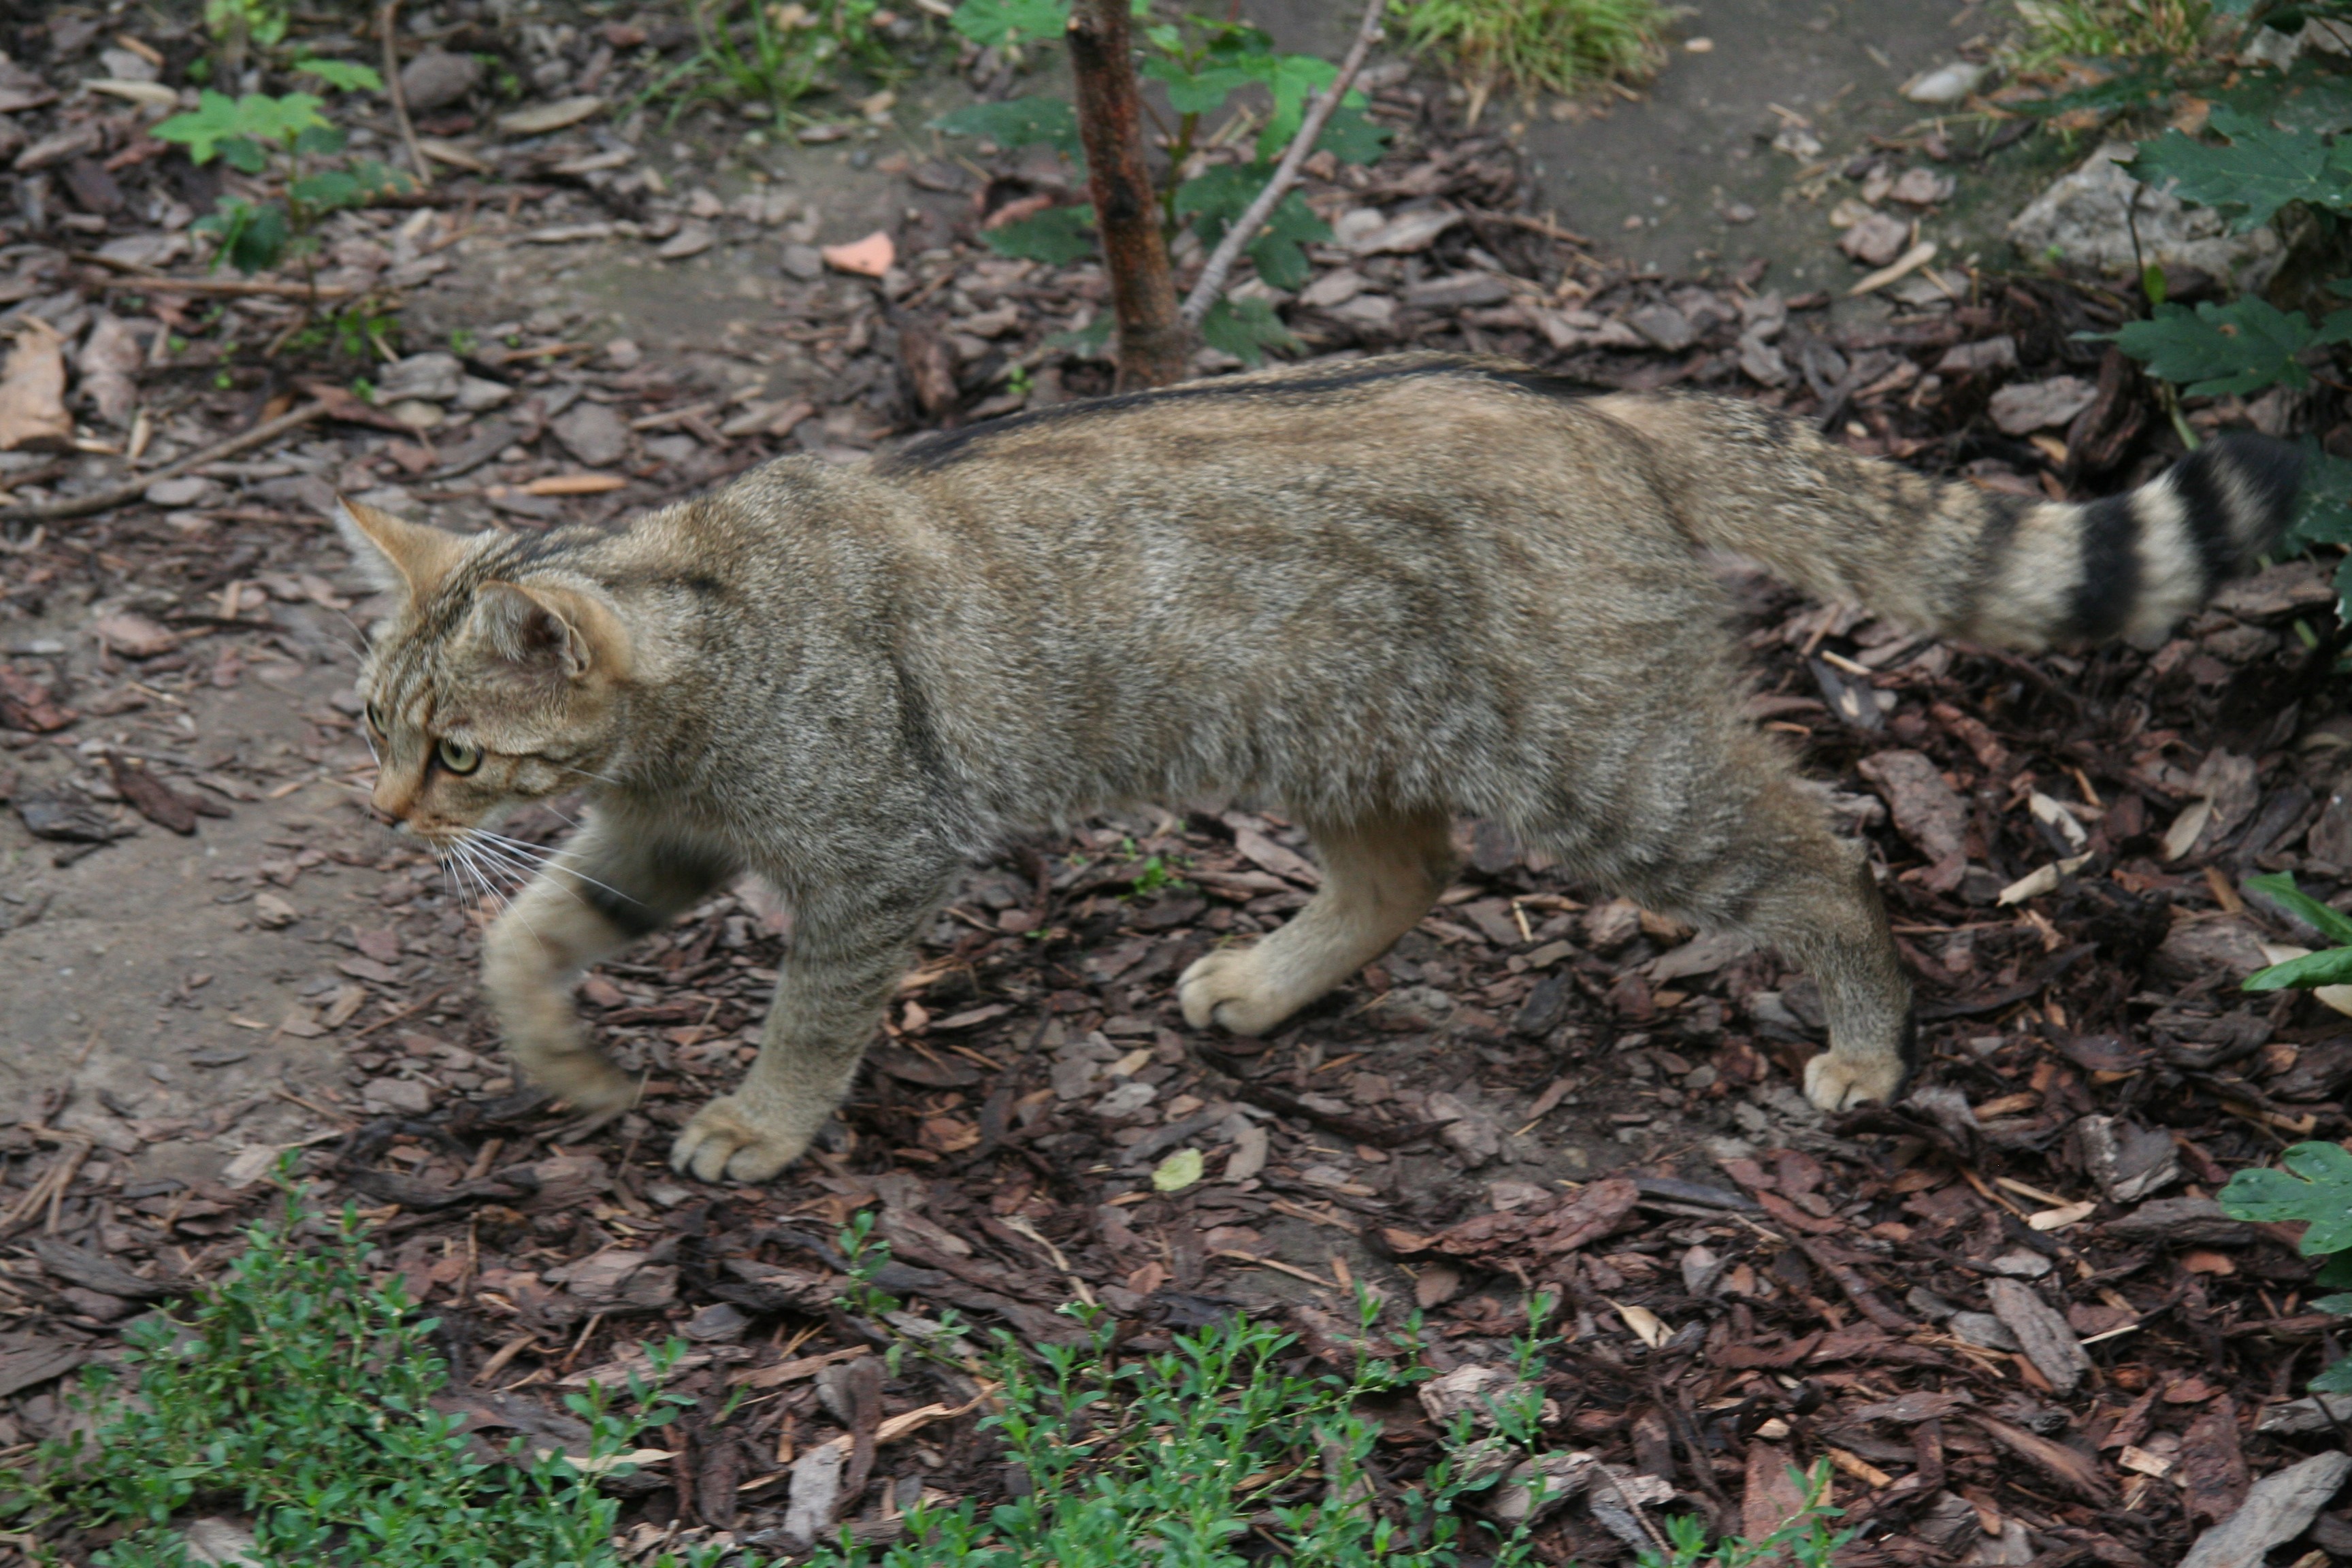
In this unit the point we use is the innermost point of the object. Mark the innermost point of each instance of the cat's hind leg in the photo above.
(1752, 851)
(609, 887)
(1381, 874)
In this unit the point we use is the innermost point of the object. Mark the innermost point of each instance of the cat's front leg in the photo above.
(609, 886)
(850, 944)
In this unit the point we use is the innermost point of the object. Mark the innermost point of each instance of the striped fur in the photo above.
(1373, 595)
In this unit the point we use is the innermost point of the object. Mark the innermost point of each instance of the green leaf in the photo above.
(1245, 329)
(2331, 967)
(1216, 199)
(1057, 237)
(2279, 889)
(2340, 1305)
(1177, 1172)
(2337, 1270)
(2306, 96)
(252, 239)
(347, 76)
(2262, 170)
(2324, 514)
(1352, 135)
(1197, 89)
(1291, 80)
(217, 119)
(1019, 122)
(246, 155)
(2316, 1186)
(2337, 1379)
(327, 190)
(987, 21)
(2218, 350)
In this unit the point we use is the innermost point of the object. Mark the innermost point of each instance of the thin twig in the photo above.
(161, 283)
(1285, 175)
(399, 96)
(123, 495)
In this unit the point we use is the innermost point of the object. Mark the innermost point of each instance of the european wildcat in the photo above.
(1374, 594)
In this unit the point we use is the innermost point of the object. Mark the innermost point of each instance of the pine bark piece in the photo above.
(2280, 1507)
(2047, 1339)
(155, 801)
(1152, 340)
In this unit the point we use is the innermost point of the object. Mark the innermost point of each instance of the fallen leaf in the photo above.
(868, 257)
(33, 391)
(1177, 1172)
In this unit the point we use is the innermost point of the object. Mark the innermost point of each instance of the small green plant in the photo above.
(2111, 30)
(775, 53)
(2316, 1186)
(297, 1393)
(2331, 966)
(291, 141)
(864, 1255)
(1538, 46)
(237, 25)
(463, 341)
(1804, 1539)
(1201, 63)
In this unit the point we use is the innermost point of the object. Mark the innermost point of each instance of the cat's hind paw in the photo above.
(724, 1142)
(1840, 1083)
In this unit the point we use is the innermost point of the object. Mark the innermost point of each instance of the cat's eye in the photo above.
(459, 757)
(375, 719)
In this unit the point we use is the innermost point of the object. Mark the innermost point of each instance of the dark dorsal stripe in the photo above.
(931, 452)
(2204, 495)
(2110, 585)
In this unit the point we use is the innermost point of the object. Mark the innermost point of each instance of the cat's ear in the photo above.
(401, 556)
(550, 631)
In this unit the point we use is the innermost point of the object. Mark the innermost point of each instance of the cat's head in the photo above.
(495, 681)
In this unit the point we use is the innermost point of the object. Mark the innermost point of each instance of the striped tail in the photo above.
(2002, 569)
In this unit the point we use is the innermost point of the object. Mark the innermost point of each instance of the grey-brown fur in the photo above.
(1373, 595)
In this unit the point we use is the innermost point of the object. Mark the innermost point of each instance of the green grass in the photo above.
(2111, 30)
(1538, 46)
(297, 1392)
(775, 55)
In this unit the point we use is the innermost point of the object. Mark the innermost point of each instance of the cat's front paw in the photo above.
(583, 1079)
(727, 1142)
(1840, 1083)
(1230, 989)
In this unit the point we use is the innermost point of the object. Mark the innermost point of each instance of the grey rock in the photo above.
(1336, 287)
(2281, 1507)
(2023, 409)
(2049, 1342)
(1983, 1330)
(1876, 239)
(2129, 1162)
(1663, 326)
(397, 1094)
(815, 1489)
(1368, 312)
(2082, 218)
(1458, 290)
(188, 489)
(437, 78)
(1945, 84)
(432, 377)
(593, 434)
(476, 394)
(1987, 353)
(2196, 1222)
(804, 262)
(719, 1320)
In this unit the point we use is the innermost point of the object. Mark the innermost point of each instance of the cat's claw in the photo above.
(723, 1143)
(1840, 1083)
